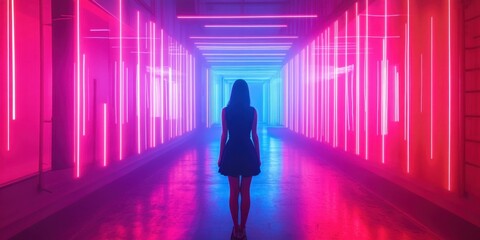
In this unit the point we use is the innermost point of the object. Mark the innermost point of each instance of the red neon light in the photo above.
(138, 85)
(14, 68)
(449, 96)
(431, 87)
(248, 26)
(245, 37)
(104, 134)
(421, 82)
(246, 16)
(408, 86)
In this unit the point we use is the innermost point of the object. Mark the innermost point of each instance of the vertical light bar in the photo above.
(77, 140)
(104, 134)
(207, 102)
(120, 84)
(83, 94)
(421, 82)
(8, 75)
(346, 82)
(367, 65)
(139, 145)
(154, 82)
(431, 87)
(408, 86)
(162, 88)
(357, 84)
(383, 95)
(335, 83)
(397, 96)
(14, 68)
(449, 95)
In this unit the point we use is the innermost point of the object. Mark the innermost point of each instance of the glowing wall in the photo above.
(382, 82)
(23, 68)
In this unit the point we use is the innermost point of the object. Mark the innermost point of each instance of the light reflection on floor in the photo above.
(181, 196)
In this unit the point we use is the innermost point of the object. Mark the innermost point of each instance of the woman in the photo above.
(239, 159)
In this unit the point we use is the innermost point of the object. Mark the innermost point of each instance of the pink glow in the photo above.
(366, 79)
(244, 54)
(77, 141)
(206, 99)
(14, 68)
(121, 66)
(8, 76)
(357, 82)
(421, 82)
(104, 134)
(449, 96)
(248, 26)
(139, 145)
(154, 83)
(245, 37)
(244, 43)
(83, 94)
(408, 86)
(431, 87)
(245, 16)
(335, 84)
(346, 84)
(162, 88)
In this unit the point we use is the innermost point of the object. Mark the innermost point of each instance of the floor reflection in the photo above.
(181, 196)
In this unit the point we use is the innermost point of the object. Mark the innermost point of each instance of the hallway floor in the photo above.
(180, 195)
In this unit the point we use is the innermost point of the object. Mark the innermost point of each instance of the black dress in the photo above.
(239, 156)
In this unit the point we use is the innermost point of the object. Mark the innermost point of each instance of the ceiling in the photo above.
(235, 44)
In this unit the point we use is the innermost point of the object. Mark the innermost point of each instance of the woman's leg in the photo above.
(234, 191)
(245, 205)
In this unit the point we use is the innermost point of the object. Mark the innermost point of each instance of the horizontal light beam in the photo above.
(245, 37)
(244, 43)
(244, 54)
(246, 16)
(248, 26)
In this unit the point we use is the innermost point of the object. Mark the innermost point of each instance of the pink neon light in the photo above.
(421, 82)
(207, 102)
(162, 94)
(397, 96)
(245, 37)
(335, 84)
(244, 43)
(246, 16)
(14, 68)
(449, 95)
(154, 83)
(248, 26)
(367, 64)
(408, 86)
(8, 76)
(357, 84)
(77, 160)
(431, 87)
(244, 54)
(120, 124)
(346, 82)
(83, 94)
(104, 134)
(138, 85)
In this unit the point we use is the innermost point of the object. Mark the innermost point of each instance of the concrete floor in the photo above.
(298, 195)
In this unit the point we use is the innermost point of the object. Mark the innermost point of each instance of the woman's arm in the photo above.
(223, 139)
(255, 135)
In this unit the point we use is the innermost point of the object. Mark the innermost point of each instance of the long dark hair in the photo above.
(240, 96)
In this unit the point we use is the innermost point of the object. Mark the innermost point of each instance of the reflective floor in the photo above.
(298, 195)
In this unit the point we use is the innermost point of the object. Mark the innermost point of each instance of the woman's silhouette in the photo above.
(239, 159)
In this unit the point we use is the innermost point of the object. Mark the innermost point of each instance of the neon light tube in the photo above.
(83, 93)
(421, 82)
(449, 95)
(8, 75)
(207, 104)
(345, 146)
(244, 43)
(431, 87)
(104, 134)
(154, 83)
(244, 54)
(121, 84)
(357, 84)
(138, 85)
(408, 86)
(366, 79)
(162, 89)
(14, 68)
(335, 84)
(245, 37)
(246, 16)
(248, 26)
(77, 160)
